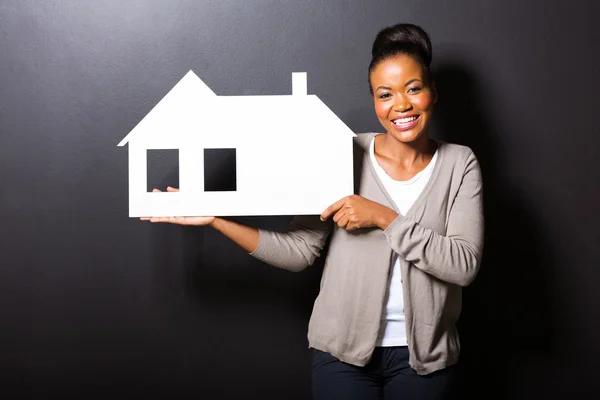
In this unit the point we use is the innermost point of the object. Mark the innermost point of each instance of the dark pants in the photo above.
(387, 376)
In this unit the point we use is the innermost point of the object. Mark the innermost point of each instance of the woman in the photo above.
(383, 324)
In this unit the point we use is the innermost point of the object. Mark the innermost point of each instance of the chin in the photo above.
(410, 136)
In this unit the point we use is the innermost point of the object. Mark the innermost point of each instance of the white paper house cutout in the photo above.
(293, 155)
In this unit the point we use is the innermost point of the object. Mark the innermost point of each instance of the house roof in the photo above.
(190, 88)
(191, 101)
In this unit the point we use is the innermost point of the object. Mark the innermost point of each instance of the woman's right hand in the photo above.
(197, 221)
(245, 236)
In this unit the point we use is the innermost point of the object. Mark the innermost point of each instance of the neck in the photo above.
(407, 153)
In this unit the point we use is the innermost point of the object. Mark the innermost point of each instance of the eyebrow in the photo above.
(411, 81)
(405, 85)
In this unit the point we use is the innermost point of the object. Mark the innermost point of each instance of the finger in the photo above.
(338, 215)
(343, 221)
(145, 218)
(156, 190)
(162, 219)
(172, 189)
(333, 208)
(352, 225)
(353, 221)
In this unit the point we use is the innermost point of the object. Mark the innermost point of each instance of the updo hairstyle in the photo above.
(408, 39)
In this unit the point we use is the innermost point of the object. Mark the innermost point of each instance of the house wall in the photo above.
(95, 303)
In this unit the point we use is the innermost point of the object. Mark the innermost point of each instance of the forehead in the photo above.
(400, 67)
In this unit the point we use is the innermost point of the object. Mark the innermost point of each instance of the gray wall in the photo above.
(95, 303)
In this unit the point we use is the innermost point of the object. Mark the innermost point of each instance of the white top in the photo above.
(392, 331)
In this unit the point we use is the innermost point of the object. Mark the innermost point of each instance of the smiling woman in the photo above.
(404, 95)
(383, 324)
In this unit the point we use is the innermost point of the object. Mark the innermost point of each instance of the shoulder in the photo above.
(363, 139)
(456, 153)
(459, 162)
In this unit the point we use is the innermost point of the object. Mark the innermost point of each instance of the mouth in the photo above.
(405, 123)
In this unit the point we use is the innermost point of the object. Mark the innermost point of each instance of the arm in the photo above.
(455, 257)
(245, 236)
(295, 249)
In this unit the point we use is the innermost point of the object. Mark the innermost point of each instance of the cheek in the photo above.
(382, 110)
(424, 103)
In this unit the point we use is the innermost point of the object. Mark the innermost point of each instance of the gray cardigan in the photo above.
(440, 237)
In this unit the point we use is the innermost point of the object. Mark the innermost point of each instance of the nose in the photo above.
(402, 104)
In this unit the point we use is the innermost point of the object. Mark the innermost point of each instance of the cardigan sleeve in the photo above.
(455, 257)
(295, 249)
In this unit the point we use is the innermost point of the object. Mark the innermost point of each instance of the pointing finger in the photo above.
(332, 208)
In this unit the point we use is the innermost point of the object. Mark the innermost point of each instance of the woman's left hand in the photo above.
(354, 212)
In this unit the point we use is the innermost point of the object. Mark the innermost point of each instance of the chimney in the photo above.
(299, 84)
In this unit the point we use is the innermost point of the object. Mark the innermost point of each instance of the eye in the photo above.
(384, 95)
(415, 89)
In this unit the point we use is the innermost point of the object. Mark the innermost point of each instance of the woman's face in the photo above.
(403, 97)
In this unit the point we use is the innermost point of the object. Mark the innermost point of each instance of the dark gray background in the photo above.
(92, 302)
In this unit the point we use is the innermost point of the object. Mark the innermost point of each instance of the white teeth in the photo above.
(401, 121)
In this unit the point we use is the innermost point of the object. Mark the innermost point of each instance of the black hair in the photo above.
(408, 39)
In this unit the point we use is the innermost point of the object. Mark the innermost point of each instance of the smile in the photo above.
(405, 122)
